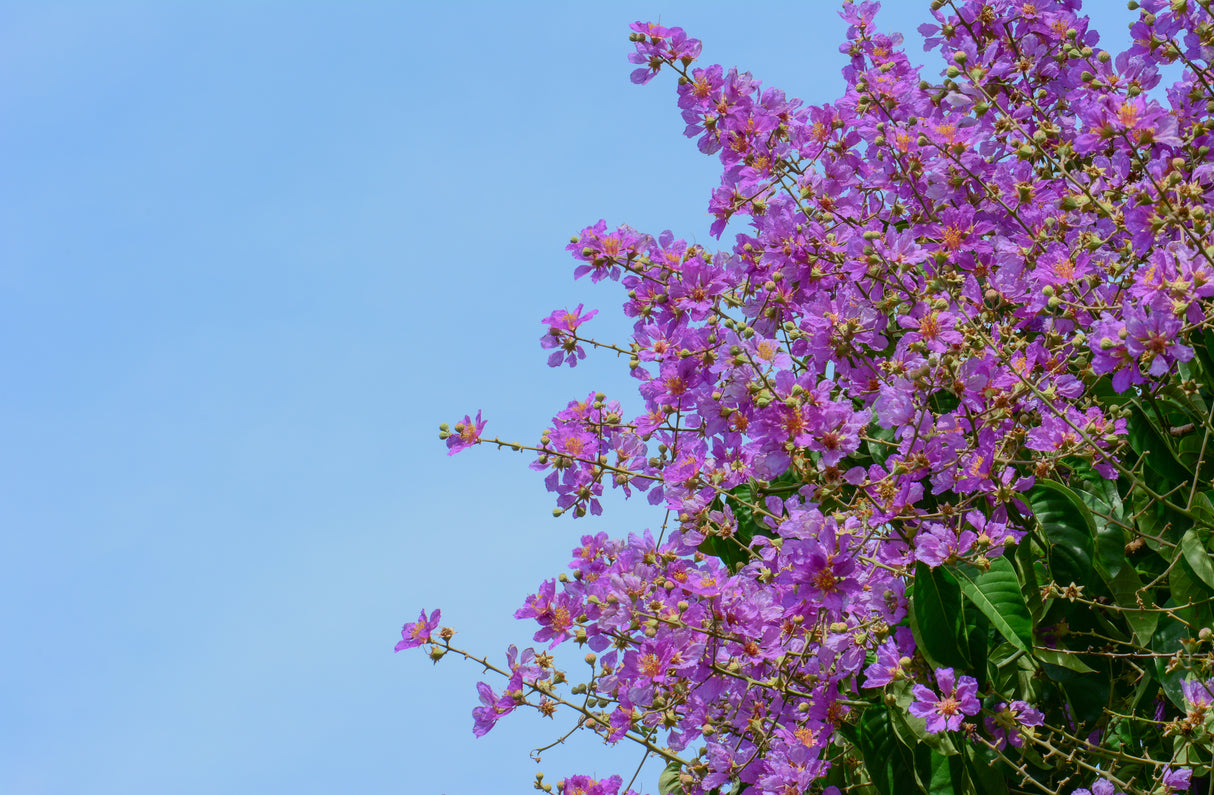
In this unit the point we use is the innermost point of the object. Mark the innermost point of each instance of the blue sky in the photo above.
(251, 254)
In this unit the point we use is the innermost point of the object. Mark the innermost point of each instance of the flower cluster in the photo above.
(940, 306)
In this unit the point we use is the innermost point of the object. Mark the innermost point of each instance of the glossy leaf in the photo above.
(985, 770)
(1191, 595)
(1202, 346)
(1087, 696)
(889, 763)
(997, 594)
(1138, 606)
(941, 775)
(1069, 527)
(1197, 557)
(978, 637)
(1063, 660)
(936, 605)
(668, 780)
(1196, 453)
(1156, 518)
(1026, 573)
(1167, 641)
(1150, 444)
(1108, 514)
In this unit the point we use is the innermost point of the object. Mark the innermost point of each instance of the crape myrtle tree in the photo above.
(930, 435)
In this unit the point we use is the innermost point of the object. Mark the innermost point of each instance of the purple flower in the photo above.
(601, 251)
(562, 335)
(936, 543)
(946, 712)
(888, 667)
(1198, 693)
(1009, 725)
(933, 327)
(1100, 787)
(1154, 339)
(585, 785)
(492, 708)
(415, 633)
(467, 433)
(555, 613)
(1176, 780)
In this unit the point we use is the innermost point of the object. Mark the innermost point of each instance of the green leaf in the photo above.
(1127, 589)
(978, 637)
(1194, 450)
(1203, 509)
(1155, 518)
(880, 442)
(726, 550)
(1191, 595)
(740, 499)
(997, 594)
(936, 608)
(668, 781)
(1030, 589)
(1104, 501)
(1197, 557)
(1202, 347)
(1087, 696)
(1064, 660)
(1151, 445)
(985, 769)
(889, 763)
(940, 775)
(1167, 641)
(1069, 527)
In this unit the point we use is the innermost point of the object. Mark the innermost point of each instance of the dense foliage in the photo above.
(932, 434)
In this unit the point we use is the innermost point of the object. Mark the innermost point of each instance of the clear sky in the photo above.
(251, 254)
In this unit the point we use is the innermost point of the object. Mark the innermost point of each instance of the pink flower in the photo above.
(562, 335)
(467, 434)
(418, 632)
(946, 712)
